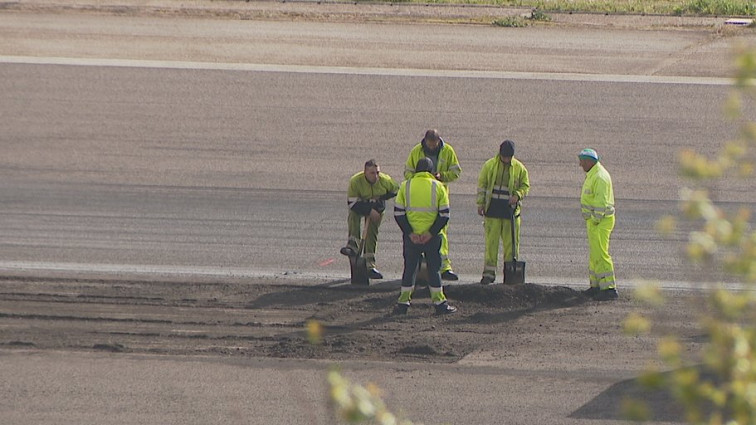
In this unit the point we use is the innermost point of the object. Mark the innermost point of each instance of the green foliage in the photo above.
(539, 16)
(510, 22)
(522, 21)
(671, 7)
(355, 403)
(722, 389)
(716, 7)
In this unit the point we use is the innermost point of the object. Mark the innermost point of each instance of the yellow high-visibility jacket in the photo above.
(597, 197)
(519, 181)
(362, 196)
(422, 205)
(448, 164)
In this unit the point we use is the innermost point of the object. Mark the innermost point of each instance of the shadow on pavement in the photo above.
(660, 403)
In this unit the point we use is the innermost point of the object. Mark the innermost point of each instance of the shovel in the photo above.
(357, 263)
(514, 271)
(422, 278)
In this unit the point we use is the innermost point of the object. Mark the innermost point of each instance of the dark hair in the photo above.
(432, 135)
(371, 163)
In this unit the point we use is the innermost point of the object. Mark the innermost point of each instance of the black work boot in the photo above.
(445, 308)
(349, 250)
(449, 275)
(487, 280)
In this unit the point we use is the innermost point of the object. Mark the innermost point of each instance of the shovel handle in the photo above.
(512, 228)
(364, 235)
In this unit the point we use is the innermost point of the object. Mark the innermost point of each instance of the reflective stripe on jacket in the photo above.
(597, 197)
(519, 181)
(448, 164)
(422, 199)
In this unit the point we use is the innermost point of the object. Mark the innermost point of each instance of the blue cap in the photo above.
(589, 154)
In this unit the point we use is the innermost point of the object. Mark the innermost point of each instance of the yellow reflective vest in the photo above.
(422, 200)
(448, 164)
(597, 197)
(519, 181)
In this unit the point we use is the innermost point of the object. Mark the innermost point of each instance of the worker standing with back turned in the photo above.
(421, 210)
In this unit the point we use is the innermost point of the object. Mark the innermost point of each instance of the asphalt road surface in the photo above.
(207, 150)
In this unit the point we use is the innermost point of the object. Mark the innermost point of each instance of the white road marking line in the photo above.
(551, 76)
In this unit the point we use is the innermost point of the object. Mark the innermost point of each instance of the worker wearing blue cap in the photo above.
(597, 206)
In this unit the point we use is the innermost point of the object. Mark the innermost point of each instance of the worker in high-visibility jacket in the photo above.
(597, 206)
(446, 169)
(421, 209)
(366, 197)
(503, 182)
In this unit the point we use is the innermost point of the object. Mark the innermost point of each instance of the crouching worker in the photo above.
(421, 210)
(366, 197)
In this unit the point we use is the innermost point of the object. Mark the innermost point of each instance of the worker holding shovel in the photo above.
(366, 197)
(502, 183)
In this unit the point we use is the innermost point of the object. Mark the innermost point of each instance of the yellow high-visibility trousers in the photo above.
(600, 264)
(499, 230)
(354, 223)
(445, 261)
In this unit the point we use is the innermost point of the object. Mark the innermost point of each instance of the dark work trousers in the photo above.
(412, 253)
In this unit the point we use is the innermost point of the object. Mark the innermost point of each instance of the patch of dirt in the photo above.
(270, 319)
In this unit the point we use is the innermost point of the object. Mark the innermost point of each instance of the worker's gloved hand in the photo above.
(378, 205)
(595, 220)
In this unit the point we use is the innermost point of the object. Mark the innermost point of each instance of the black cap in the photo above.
(506, 148)
(424, 164)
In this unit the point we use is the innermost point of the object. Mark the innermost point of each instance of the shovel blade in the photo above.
(422, 278)
(514, 272)
(358, 267)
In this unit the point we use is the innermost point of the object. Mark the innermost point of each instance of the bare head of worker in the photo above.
(588, 158)
(432, 139)
(424, 164)
(506, 151)
(372, 171)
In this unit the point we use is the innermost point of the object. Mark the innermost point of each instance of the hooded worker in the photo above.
(597, 207)
(445, 169)
(502, 183)
(421, 210)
